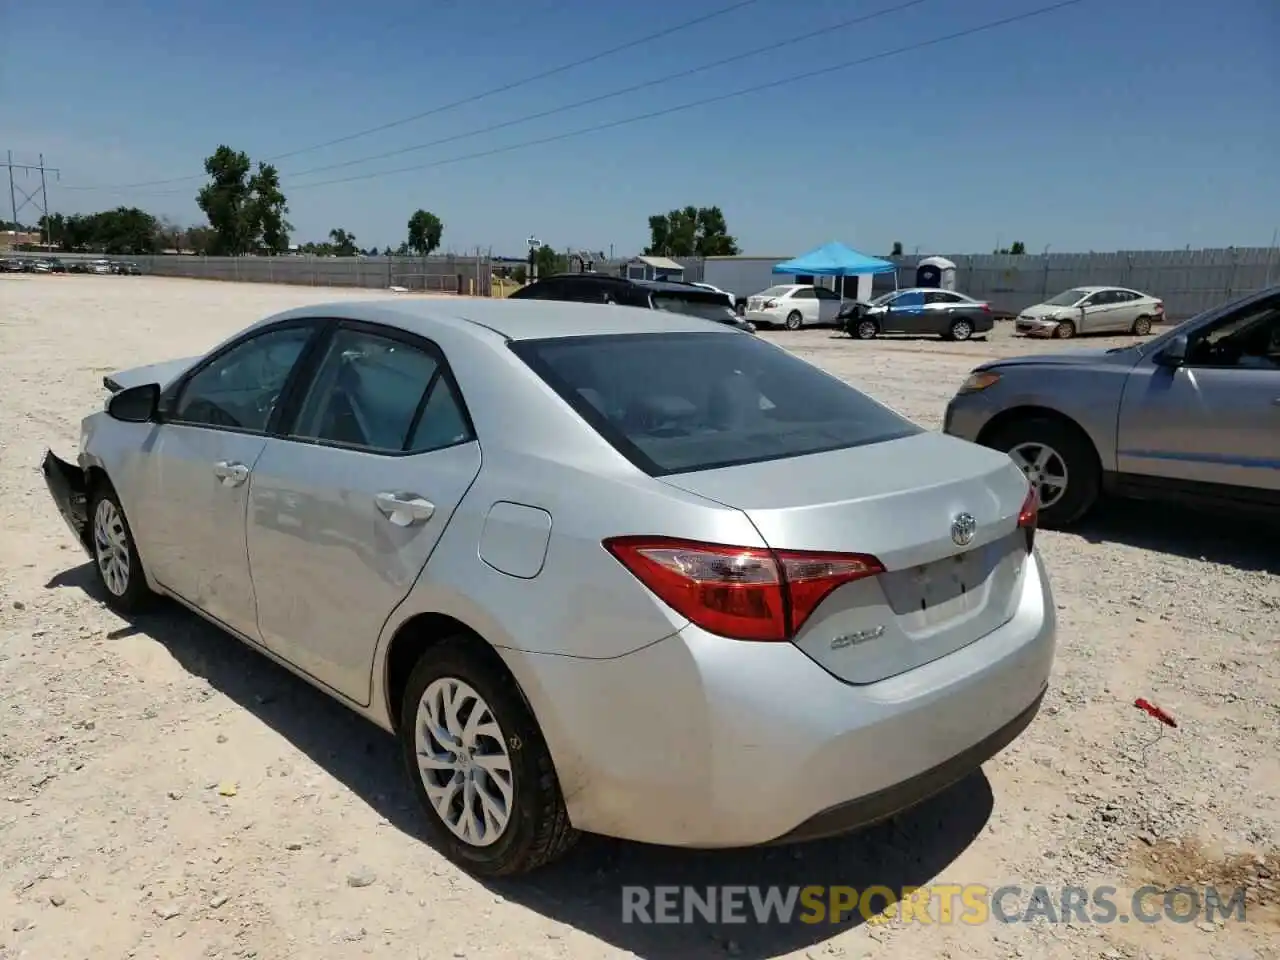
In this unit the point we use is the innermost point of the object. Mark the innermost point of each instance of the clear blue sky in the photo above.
(1114, 124)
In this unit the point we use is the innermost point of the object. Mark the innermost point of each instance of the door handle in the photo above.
(230, 473)
(404, 509)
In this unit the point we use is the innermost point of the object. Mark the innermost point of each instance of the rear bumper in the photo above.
(67, 487)
(700, 741)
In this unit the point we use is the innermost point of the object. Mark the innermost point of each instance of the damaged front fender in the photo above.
(70, 493)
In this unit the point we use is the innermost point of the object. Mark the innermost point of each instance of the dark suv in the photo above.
(670, 295)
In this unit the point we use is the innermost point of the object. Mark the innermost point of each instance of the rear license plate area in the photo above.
(938, 592)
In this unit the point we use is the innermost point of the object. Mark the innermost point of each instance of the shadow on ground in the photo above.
(585, 890)
(1242, 542)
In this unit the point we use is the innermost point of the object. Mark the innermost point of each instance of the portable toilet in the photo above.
(936, 272)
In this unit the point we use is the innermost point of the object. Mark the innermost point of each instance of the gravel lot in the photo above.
(165, 793)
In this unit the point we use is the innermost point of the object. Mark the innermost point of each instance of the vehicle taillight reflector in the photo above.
(1029, 516)
(745, 593)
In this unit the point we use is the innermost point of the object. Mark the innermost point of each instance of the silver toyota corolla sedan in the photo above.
(598, 568)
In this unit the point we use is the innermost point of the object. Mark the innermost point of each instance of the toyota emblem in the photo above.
(963, 528)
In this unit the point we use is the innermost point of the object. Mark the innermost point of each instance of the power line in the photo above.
(473, 98)
(600, 98)
(667, 111)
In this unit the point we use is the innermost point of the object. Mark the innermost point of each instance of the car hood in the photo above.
(1066, 358)
(163, 373)
(1039, 311)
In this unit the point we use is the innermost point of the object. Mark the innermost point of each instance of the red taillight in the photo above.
(986, 308)
(1159, 307)
(1029, 516)
(747, 593)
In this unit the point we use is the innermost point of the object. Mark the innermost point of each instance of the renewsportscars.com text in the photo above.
(938, 904)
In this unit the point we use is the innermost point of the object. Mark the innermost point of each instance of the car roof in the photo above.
(512, 319)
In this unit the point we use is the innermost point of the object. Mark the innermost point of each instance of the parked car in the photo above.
(79, 266)
(793, 305)
(101, 267)
(41, 266)
(729, 297)
(11, 265)
(921, 311)
(670, 295)
(682, 551)
(1192, 416)
(128, 268)
(1092, 310)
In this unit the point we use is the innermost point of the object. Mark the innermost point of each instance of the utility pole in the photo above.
(41, 204)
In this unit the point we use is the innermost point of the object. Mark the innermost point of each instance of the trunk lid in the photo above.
(896, 501)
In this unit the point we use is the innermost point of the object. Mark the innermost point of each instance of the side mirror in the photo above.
(136, 404)
(1174, 353)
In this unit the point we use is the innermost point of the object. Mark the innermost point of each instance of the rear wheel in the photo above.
(794, 320)
(961, 330)
(1065, 330)
(1142, 327)
(115, 556)
(1059, 461)
(479, 765)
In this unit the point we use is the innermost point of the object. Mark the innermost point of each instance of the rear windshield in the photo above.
(680, 402)
(707, 309)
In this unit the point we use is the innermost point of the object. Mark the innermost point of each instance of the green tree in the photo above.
(549, 262)
(227, 201)
(266, 210)
(344, 244)
(425, 231)
(691, 232)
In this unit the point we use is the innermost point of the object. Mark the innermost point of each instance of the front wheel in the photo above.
(115, 555)
(794, 320)
(479, 766)
(1060, 463)
(863, 329)
(1065, 330)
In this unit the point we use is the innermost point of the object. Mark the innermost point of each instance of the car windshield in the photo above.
(1067, 298)
(716, 310)
(675, 403)
(775, 292)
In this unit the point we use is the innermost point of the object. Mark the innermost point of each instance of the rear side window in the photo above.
(676, 403)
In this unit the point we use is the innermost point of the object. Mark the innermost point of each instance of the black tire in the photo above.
(538, 831)
(1084, 474)
(961, 329)
(794, 320)
(1142, 327)
(135, 595)
(1065, 330)
(862, 328)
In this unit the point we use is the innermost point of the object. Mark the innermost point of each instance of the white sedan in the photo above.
(793, 305)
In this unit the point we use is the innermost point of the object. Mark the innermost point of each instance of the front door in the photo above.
(1216, 419)
(828, 304)
(196, 483)
(906, 313)
(346, 508)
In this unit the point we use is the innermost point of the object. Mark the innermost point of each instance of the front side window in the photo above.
(1250, 338)
(240, 388)
(380, 394)
(675, 403)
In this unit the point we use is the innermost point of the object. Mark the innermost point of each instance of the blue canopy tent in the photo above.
(835, 260)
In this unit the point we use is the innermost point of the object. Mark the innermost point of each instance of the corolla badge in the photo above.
(963, 529)
(860, 636)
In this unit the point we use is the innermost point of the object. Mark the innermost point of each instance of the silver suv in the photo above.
(1193, 415)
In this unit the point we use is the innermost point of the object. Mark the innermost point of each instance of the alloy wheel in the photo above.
(111, 547)
(961, 330)
(1045, 468)
(463, 761)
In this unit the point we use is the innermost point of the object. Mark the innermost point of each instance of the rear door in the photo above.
(346, 508)
(1098, 312)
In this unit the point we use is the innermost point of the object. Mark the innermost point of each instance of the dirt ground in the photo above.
(166, 793)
